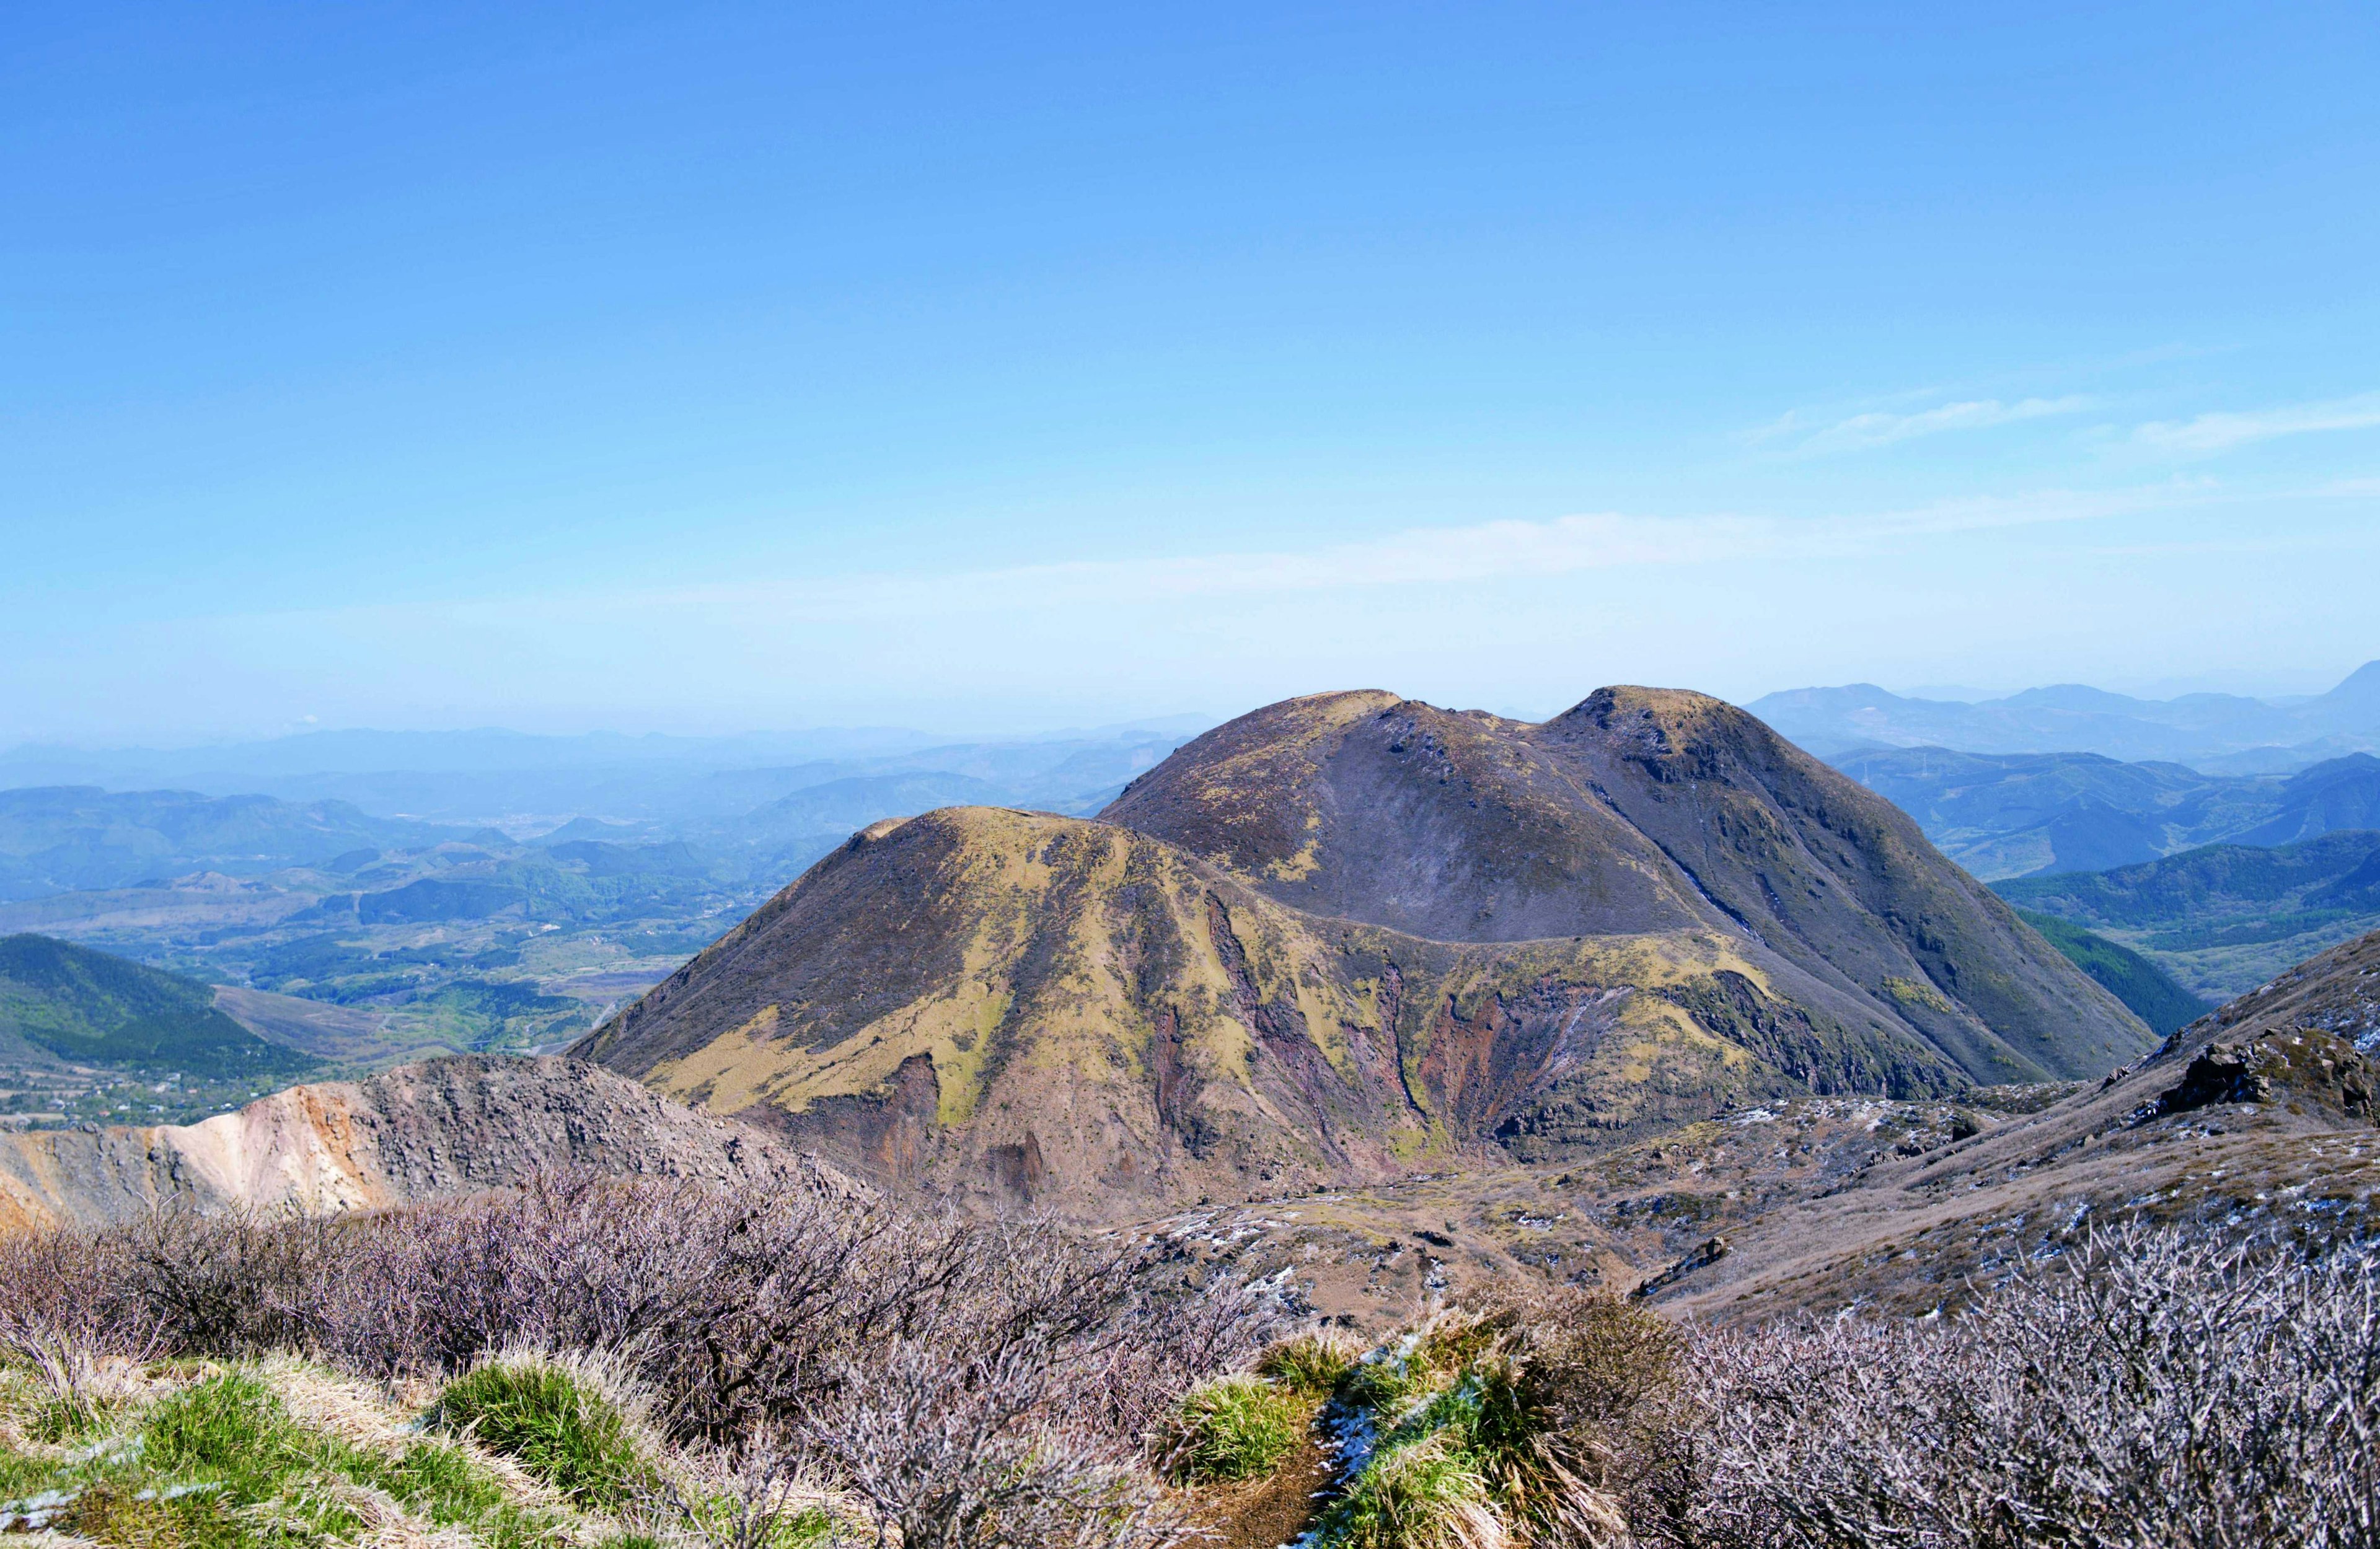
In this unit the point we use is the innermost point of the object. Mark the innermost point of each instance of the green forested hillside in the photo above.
(2154, 995)
(94, 1009)
(2223, 918)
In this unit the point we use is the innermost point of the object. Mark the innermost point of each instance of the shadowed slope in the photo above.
(1639, 809)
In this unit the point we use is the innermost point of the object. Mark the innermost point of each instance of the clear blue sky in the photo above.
(705, 368)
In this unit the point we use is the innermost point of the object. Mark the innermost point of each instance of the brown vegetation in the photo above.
(936, 1380)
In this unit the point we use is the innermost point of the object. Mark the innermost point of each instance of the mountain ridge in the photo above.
(1350, 933)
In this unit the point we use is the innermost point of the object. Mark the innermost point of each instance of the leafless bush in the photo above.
(963, 1380)
(83, 1349)
(762, 1497)
(948, 1447)
(2157, 1388)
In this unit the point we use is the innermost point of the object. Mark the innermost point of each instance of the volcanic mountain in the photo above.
(1351, 935)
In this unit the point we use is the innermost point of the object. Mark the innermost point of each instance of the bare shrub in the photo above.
(950, 1447)
(2155, 1388)
(80, 1344)
(955, 1377)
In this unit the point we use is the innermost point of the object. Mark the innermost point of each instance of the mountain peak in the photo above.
(2358, 688)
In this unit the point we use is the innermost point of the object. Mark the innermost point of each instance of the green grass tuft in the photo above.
(1314, 1364)
(1237, 1427)
(556, 1423)
(1422, 1494)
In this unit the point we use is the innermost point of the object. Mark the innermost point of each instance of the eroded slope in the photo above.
(1010, 1006)
(443, 1127)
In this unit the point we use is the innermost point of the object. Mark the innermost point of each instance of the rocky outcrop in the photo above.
(445, 1126)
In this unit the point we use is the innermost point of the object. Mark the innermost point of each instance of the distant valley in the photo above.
(371, 939)
(2225, 918)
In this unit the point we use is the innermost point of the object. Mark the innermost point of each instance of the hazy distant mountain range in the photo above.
(2035, 813)
(2216, 733)
(524, 783)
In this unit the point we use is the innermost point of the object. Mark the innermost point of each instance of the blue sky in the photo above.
(708, 368)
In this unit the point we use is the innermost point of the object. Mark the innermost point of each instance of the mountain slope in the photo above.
(1010, 1006)
(2257, 1117)
(1638, 809)
(75, 1004)
(2342, 793)
(2152, 993)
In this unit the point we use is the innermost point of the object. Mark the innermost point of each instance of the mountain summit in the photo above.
(1348, 933)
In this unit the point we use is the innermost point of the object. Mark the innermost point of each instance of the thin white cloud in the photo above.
(1486, 552)
(2222, 432)
(1863, 432)
(1478, 553)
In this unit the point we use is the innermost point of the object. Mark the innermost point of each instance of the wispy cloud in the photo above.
(1485, 551)
(1455, 555)
(1863, 432)
(2222, 432)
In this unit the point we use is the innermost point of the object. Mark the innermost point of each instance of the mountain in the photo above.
(2031, 815)
(2224, 918)
(2340, 794)
(1638, 809)
(443, 1126)
(77, 1005)
(2147, 991)
(1349, 934)
(62, 839)
(2198, 729)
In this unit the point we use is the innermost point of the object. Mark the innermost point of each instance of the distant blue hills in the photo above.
(2214, 733)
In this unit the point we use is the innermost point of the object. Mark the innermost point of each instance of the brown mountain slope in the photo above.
(1009, 1007)
(1638, 809)
(2259, 1115)
(2256, 1119)
(445, 1126)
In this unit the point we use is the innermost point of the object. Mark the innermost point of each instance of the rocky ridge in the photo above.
(441, 1127)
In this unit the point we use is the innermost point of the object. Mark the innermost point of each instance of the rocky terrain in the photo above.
(443, 1126)
(1352, 937)
(2259, 1118)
